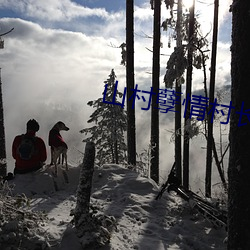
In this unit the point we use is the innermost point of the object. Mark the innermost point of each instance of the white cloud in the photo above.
(53, 10)
(46, 69)
(50, 74)
(143, 13)
(205, 12)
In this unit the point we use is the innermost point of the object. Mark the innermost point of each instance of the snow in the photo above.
(141, 221)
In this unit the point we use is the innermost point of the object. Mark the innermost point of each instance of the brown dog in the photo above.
(58, 146)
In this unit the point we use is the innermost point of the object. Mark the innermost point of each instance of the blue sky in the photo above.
(61, 52)
(109, 5)
(70, 15)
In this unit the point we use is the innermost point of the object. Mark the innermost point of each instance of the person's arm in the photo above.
(43, 152)
(14, 147)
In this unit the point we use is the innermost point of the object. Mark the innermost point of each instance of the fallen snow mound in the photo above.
(141, 221)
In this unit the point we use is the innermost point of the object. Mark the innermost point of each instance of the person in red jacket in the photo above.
(29, 150)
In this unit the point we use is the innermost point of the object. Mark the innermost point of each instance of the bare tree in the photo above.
(154, 168)
(93, 230)
(131, 131)
(188, 53)
(84, 186)
(178, 117)
(210, 139)
(188, 95)
(3, 163)
(239, 135)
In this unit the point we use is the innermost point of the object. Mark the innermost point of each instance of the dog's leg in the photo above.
(66, 161)
(51, 156)
(63, 157)
(56, 170)
(55, 158)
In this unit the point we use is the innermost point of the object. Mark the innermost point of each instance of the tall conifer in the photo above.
(110, 121)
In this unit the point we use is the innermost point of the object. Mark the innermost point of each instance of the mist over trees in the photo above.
(190, 51)
(112, 123)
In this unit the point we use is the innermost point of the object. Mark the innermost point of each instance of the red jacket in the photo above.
(37, 159)
(55, 139)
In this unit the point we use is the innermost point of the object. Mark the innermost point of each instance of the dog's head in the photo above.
(61, 126)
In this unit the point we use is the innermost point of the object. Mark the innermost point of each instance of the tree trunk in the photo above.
(216, 158)
(131, 131)
(81, 215)
(188, 95)
(178, 158)
(3, 162)
(94, 231)
(154, 168)
(211, 100)
(239, 136)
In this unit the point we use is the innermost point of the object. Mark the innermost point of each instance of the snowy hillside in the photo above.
(141, 221)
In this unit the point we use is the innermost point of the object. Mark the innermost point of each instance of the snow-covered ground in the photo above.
(141, 221)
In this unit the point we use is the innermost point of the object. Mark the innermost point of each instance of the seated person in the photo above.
(29, 150)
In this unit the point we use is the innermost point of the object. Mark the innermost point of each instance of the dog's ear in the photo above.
(61, 125)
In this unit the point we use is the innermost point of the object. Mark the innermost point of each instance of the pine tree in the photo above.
(110, 124)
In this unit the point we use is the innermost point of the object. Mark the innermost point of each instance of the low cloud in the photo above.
(50, 73)
(56, 10)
